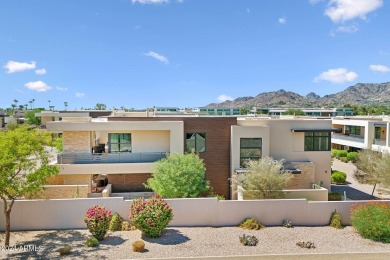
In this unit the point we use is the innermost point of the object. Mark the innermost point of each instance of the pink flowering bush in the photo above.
(98, 220)
(151, 216)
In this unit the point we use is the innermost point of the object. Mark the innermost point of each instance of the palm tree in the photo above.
(51, 107)
(66, 105)
(49, 103)
(16, 102)
(30, 102)
(33, 100)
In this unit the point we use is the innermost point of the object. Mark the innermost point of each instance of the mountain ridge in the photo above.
(359, 94)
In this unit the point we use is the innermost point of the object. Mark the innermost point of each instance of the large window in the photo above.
(119, 143)
(354, 130)
(250, 148)
(317, 141)
(195, 142)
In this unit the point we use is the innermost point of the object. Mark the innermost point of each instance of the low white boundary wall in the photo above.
(69, 213)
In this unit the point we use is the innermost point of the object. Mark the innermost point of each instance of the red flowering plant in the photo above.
(372, 220)
(151, 216)
(98, 220)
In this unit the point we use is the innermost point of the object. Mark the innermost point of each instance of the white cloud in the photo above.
(79, 94)
(339, 75)
(14, 66)
(344, 10)
(223, 98)
(61, 89)
(282, 20)
(39, 86)
(157, 56)
(379, 68)
(347, 29)
(149, 1)
(40, 72)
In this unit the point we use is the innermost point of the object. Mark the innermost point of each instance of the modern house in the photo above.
(120, 150)
(362, 133)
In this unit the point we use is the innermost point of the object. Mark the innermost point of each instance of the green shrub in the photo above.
(344, 159)
(334, 196)
(92, 242)
(116, 222)
(372, 220)
(248, 240)
(287, 223)
(98, 220)
(333, 153)
(251, 223)
(179, 176)
(151, 216)
(126, 226)
(65, 250)
(351, 156)
(339, 177)
(341, 153)
(335, 220)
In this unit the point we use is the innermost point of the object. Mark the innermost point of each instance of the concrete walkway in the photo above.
(355, 190)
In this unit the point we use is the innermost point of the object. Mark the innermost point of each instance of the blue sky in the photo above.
(187, 53)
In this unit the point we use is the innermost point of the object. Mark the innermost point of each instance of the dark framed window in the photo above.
(377, 133)
(354, 130)
(317, 141)
(119, 143)
(250, 148)
(195, 142)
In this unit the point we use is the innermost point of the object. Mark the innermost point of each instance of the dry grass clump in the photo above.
(251, 223)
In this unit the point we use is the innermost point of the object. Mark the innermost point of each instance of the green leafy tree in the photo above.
(179, 176)
(31, 118)
(264, 179)
(24, 167)
(294, 112)
(100, 106)
(373, 168)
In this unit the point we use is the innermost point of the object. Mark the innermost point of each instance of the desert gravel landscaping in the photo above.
(195, 241)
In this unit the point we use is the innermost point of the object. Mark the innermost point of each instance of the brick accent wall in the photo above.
(305, 179)
(217, 155)
(76, 141)
(128, 182)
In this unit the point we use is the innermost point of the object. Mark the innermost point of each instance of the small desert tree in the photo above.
(179, 176)
(373, 168)
(265, 179)
(24, 167)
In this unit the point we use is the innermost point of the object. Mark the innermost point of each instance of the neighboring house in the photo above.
(120, 150)
(362, 133)
(49, 116)
(320, 112)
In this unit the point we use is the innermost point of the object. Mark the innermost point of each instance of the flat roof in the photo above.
(302, 130)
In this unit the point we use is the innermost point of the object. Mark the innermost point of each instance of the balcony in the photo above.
(106, 158)
(379, 142)
(350, 138)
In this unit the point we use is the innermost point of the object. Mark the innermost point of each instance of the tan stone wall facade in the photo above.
(76, 141)
(305, 179)
(64, 192)
(68, 179)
